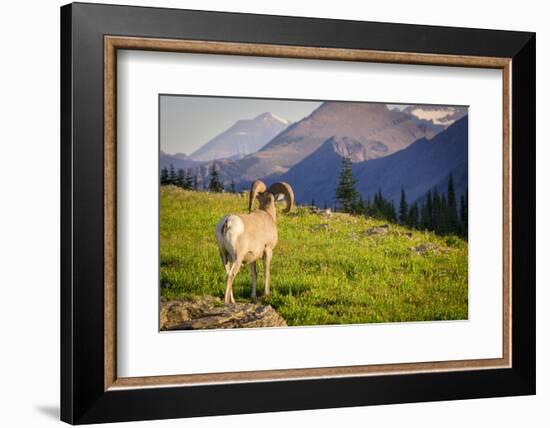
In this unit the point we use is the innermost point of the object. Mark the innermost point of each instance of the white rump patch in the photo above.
(233, 227)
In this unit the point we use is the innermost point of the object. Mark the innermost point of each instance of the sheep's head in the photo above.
(268, 196)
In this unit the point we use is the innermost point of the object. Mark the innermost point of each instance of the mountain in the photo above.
(417, 168)
(179, 160)
(377, 130)
(244, 137)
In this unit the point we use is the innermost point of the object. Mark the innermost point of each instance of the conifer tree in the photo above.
(188, 181)
(172, 177)
(195, 183)
(427, 212)
(412, 217)
(164, 176)
(392, 214)
(215, 183)
(232, 185)
(360, 206)
(346, 194)
(403, 208)
(180, 178)
(464, 214)
(451, 204)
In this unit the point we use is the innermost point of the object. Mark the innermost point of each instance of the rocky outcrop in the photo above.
(209, 312)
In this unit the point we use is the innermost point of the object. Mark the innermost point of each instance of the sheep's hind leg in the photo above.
(225, 262)
(230, 279)
(254, 277)
(267, 263)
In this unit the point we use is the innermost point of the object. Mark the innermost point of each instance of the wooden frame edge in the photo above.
(112, 43)
(109, 198)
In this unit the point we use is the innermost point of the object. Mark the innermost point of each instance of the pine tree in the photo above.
(403, 208)
(464, 214)
(392, 214)
(180, 178)
(312, 202)
(172, 177)
(436, 210)
(451, 204)
(346, 194)
(232, 185)
(360, 206)
(427, 213)
(164, 176)
(188, 181)
(195, 183)
(412, 217)
(444, 216)
(215, 183)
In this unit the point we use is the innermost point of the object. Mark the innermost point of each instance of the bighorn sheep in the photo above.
(244, 238)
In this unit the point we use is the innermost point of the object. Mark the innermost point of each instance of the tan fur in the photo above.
(252, 238)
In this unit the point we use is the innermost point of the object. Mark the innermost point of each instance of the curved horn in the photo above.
(257, 186)
(283, 188)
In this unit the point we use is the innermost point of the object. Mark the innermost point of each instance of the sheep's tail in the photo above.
(225, 226)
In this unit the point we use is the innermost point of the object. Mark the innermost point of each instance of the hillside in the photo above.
(327, 269)
(377, 129)
(419, 167)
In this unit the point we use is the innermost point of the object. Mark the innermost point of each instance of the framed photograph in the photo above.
(265, 213)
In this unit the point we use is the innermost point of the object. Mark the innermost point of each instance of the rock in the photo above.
(425, 248)
(378, 230)
(209, 312)
(322, 226)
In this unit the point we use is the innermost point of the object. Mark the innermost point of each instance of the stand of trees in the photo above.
(188, 180)
(437, 212)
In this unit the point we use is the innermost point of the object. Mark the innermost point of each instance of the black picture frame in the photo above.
(83, 398)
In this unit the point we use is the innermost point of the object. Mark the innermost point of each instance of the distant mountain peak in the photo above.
(244, 137)
(272, 116)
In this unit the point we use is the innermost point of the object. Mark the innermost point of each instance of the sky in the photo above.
(188, 122)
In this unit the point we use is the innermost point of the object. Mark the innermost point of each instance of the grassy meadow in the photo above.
(325, 270)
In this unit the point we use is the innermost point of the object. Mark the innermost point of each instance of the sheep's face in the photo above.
(266, 199)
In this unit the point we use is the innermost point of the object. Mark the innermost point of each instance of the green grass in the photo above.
(318, 276)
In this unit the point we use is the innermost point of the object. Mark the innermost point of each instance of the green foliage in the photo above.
(215, 183)
(180, 180)
(324, 270)
(463, 226)
(188, 180)
(346, 194)
(164, 176)
(403, 208)
(172, 177)
(381, 208)
(439, 212)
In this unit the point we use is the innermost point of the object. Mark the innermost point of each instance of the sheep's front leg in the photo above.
(254, 273)
(230, 278)
(267, 263)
